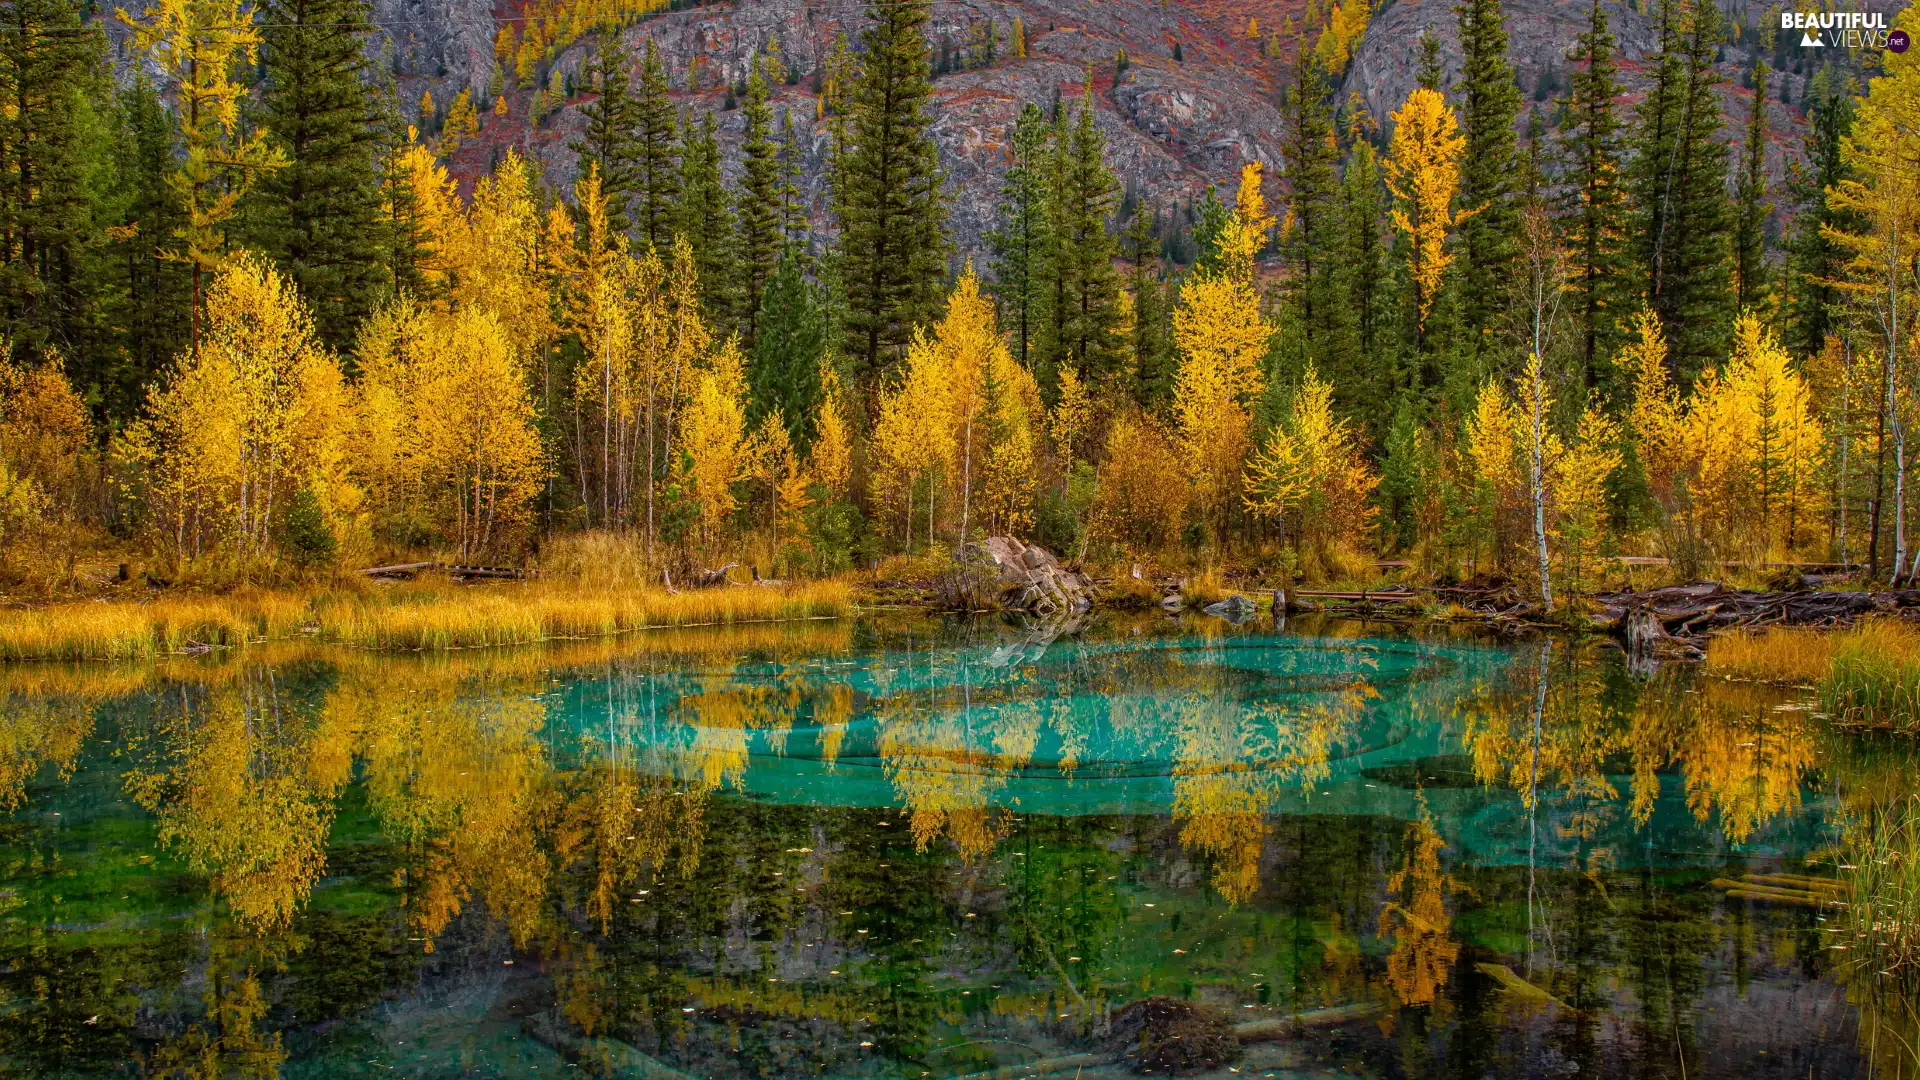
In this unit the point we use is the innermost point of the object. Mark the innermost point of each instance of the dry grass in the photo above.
(417, 616)
(1880, 927)
(1209, 586)
(1774, 655)
(1874, 677)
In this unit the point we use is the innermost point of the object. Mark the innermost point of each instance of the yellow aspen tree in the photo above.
(500, 262)
(1883, 268)
(1313, 474)
(447, 426)
(45, 459)
(685, 342)
(1014, 414)
(200, 46)
(1423, 173)
(1577, 480)
(713, 433)
(1222, 339)
(832, 452)
(259, 414)
(1144, 491)
(1497, 482)
(912, 444)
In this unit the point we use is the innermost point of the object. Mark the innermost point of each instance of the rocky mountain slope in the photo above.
(1195, 101)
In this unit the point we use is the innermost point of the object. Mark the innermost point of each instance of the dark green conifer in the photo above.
(1594, 210)
(1750, 272)
(705, 218)
(1083, 327)
(317, 216)
(758, 209)
(1814, 260)
(892, 216)
(1310, 243)
(608, 140)
(1489, 169)
(784, 370)
(1020, 239)
(1150, 347)
(656, 157)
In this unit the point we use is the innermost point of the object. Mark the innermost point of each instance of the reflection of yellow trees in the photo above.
(1232, 760)
(946, 758)
(1415, 917)
(35, 732)
(1741, 754)
(243, 785)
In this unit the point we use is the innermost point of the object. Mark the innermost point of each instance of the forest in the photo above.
(256, 327)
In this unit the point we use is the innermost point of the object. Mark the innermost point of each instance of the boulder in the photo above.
(1026, 577)
(1236, 609)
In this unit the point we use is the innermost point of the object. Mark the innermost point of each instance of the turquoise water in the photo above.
(907, 848)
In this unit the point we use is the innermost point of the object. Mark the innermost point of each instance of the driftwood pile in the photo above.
(1690, 612)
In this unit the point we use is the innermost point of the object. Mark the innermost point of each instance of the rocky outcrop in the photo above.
(1026, 577)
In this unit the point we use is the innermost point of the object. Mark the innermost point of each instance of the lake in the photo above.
(900, 847)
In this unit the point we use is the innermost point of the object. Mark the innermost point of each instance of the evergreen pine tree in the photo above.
(1364, 280)
(1489, 166)
(784, 371)
(49, 68)
(1678, 180)
(1020, 239)
(892, 217)
(705, 218)
(1083, 328)
(1750, 275)
(1430, 73)
(793, 215)
(1814, 260)
(316, 217)
(608, 139)
(1308, 244)
(158, 290)
(1152, 360)
(758, 209)
(1594, 210)
(656, 157)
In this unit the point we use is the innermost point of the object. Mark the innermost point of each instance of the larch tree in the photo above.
(716, 440)
(1423, 173)
(1221, 337)
(893, 245)
(202, 47)
(1313, 479)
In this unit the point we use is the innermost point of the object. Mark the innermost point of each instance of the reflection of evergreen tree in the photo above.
(1059, 899)
(897, 897)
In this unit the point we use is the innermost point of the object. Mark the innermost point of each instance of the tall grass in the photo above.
(1777, 655)
(414, 616)
(1874, 679)
(1879, 939)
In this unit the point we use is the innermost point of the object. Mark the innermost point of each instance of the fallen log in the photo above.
(708, 579)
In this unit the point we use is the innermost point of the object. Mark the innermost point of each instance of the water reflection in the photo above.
(893, 849)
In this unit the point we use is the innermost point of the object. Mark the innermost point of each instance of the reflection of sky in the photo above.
(1258, 724)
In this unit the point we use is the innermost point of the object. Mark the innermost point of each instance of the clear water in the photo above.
(905, 848)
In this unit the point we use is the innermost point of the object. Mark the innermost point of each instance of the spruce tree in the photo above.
(1020, 239)
(1152, 369)
(1679, 184)
(608, 142)
(158, 290)
(793, 214)
(1814, 260)
(316, 217)
(49, 69)
(784, 372)
(1488, 170)
(1750, 224)
(1363, 373)
(1594, 208)
(1083, 328)
(892, 217)
(758, 209)
(705, 218)
(656, 157)
(1310, 154)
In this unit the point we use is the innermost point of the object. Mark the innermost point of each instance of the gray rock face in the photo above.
(1029, 578)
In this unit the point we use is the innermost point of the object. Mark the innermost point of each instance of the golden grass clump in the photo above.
(1880, 928)
(1874, 677)
(1775, 655)
(169, 624)
(410, 616)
